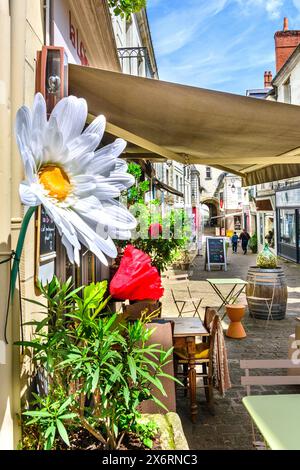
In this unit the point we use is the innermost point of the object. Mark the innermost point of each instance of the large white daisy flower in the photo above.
(74, 182)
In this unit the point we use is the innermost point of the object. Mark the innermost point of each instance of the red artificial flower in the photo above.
(136, 278)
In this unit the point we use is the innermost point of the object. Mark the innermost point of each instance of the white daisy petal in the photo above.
(53, 141)
(117, 234)
(88, 238)
(39, 113)
(76, 184)
(104, 190)
(85, 143)
(120, 180)
(84, 229)
(118, 212)
(97, 127)
(28, 196)
(105, 158)
(23, 125)
(70, 114)
(25, 151)
(103, 216)
(84, 185)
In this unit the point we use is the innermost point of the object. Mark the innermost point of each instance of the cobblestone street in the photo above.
(229, 427)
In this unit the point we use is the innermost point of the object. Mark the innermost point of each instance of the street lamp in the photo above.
(233, 188)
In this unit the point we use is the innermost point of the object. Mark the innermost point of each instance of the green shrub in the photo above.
(253, 243)
(99, 368)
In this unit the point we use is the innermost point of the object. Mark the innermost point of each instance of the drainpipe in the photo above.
(18, 58)
(47, 8)
(18, 10)
(6, 395)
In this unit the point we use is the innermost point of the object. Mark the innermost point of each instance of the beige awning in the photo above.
(256, 139)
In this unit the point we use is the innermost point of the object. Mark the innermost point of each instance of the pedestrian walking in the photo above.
(244, 237)
(234, 242)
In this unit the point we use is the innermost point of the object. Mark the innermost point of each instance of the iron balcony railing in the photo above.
(136, 61)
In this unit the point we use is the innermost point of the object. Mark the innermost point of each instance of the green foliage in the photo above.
(146, 432)
(136, 194)
(51, 416)
(99, 368)
(174, 238)
(253, 243)
(124, 8)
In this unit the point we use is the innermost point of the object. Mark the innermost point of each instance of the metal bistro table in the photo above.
(186, 330)
(234, 293)
(277, 418)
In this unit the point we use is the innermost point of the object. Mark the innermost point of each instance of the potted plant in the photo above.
(185, 260)
(266, 280)
(253, 243)
(98, 372)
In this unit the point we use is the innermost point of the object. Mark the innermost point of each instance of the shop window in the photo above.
(287, 226)
(237, 223)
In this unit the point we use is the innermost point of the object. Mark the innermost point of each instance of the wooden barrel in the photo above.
(260, 284)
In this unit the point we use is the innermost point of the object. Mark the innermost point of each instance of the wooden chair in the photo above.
(181, 299)
(203, 357)
(267, 380)
(253, 299)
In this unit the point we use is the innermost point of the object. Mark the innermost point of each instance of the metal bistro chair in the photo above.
(254, 300)
(188, 299)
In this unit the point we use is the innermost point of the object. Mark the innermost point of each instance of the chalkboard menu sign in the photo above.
(215, 252)
(47, 234)
(45, 246)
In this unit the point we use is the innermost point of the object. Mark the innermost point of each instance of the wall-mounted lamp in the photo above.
(233, 187)
(52, 75)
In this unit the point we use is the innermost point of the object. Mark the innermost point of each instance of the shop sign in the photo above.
(45, 248)
(77, 43)
(67, 34)
(215, 254)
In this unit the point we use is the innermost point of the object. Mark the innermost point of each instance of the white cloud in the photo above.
(272, 7)
(178, 28)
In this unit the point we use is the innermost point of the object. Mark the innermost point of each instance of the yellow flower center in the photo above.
(55, 180)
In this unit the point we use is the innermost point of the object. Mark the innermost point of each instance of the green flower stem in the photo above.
(15, 268)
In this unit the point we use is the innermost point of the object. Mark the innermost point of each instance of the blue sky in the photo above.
(218, 44)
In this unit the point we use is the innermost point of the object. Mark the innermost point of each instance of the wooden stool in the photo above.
(235, 314)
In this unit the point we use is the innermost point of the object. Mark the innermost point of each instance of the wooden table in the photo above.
(277, 418)
(186, 330)
(233, 294)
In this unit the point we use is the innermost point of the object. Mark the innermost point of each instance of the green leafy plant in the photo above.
(51, 417)
(253, 243)
(136, 194)
(99, 368)
(124, 8)
(163, 249)
(146, 432)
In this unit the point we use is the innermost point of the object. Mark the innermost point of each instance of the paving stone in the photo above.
(231, 418)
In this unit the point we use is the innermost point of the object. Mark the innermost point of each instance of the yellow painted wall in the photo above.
(22, 32)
